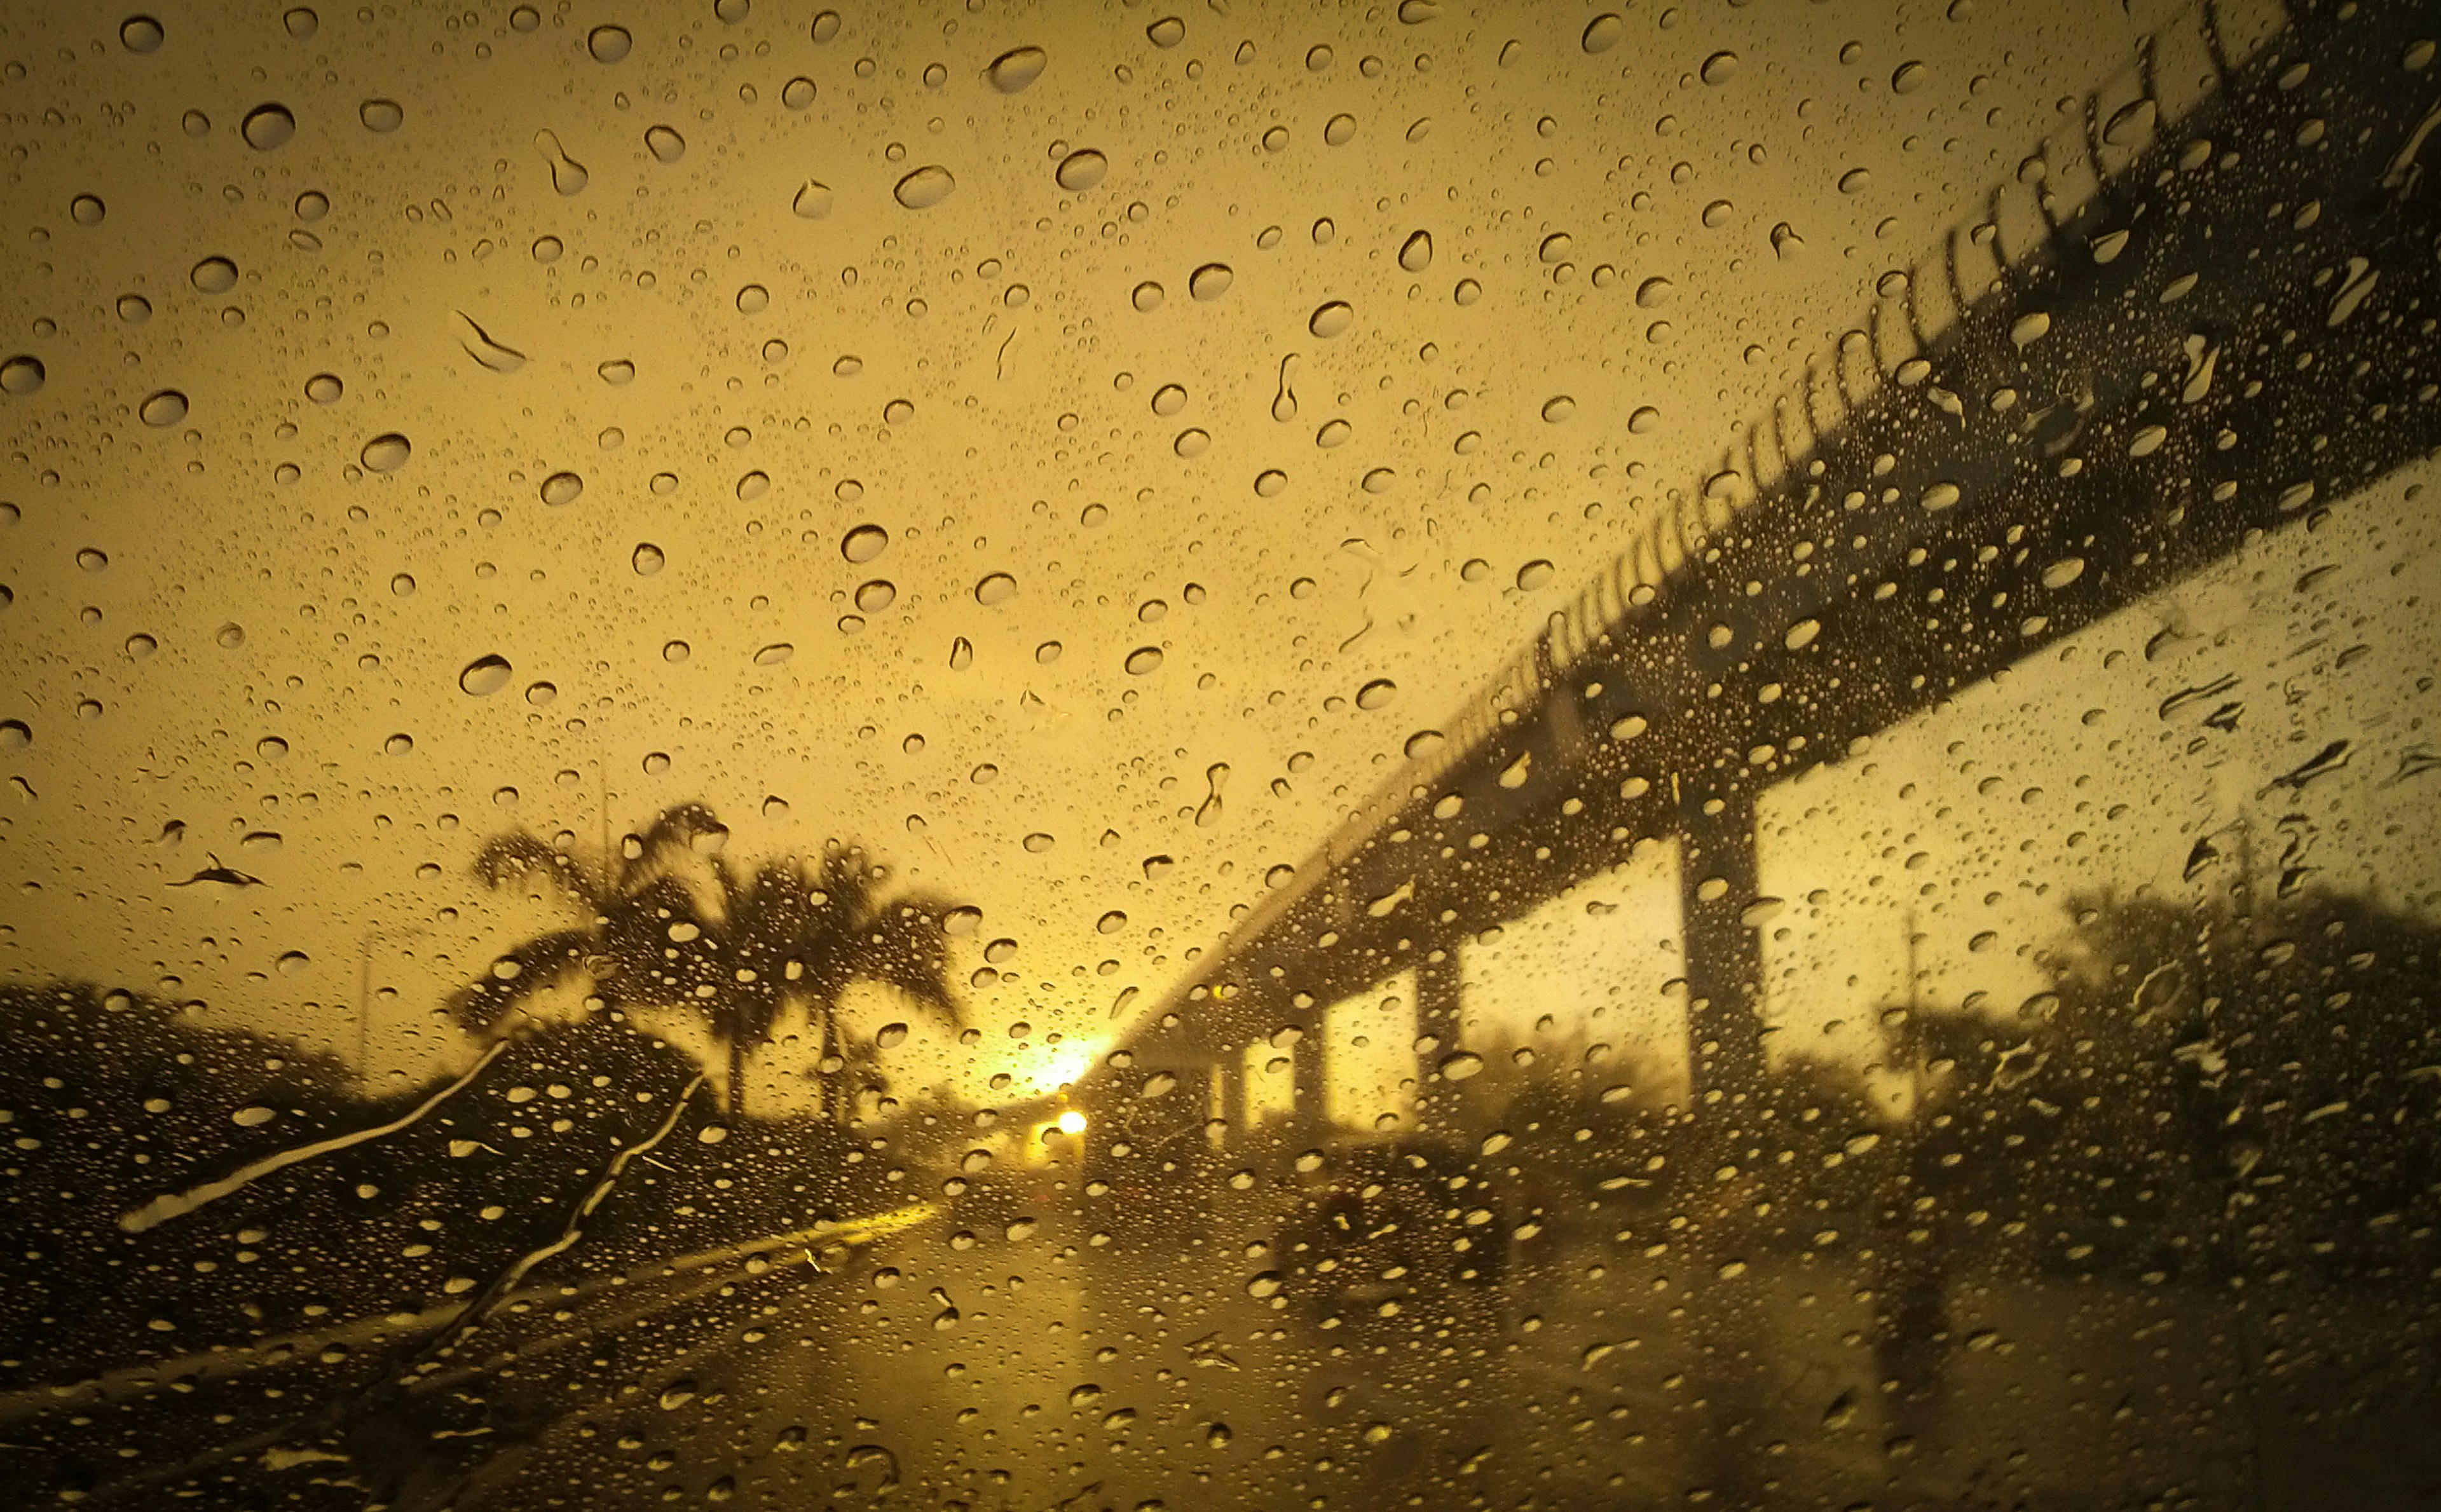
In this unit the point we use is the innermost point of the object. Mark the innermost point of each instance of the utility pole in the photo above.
(365, 987)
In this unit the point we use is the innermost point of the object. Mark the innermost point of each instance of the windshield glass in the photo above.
(1131, 755)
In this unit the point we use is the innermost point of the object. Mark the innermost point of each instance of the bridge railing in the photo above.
(2021, 227)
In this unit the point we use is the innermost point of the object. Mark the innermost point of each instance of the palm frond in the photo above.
(539, 963)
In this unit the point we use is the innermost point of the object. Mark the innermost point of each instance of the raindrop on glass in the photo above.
(267, 127)
(1081, 170)
(924, 188)
(1016, 68)
(486, 676)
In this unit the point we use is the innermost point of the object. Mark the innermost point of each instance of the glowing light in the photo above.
(1072, 1123)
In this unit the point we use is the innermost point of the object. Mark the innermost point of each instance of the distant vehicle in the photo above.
(1392, 1229)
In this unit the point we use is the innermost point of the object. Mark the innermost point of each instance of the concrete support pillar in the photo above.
(1231, 1072)
(1310, 1117)
(1718, 879)
(1438, 1005)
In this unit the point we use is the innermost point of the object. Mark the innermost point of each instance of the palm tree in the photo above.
(670, 921)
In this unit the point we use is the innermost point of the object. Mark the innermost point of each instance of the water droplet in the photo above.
(166, 406)
(664, 143)
(1145, 296)
(1265, 1284)
(1111, 923)
(961, 654)
(135, 309)
(1718, 212)
(399, 745)
(1211, 281)
(402, 584)
(675, 651)
(1603, 32)
(2131, 123)
(774, 653)
(876, 595)
(478, 342)
(486, 676)
(1169, 400)
(1855, 181)
(1339, 131)
(798, 92)
(2063, 573)
(1558, 408)
(213, 275)
(22, 375)
(267, 127)
(1271, 483)
(1909, 77)
(1721, 67)
(568, 175)
(141, 34)
(302, 22)
(386, 452)
(1785, 243)
(93, 560)
(1331, 320)
(618, 371)
(1166, 32)
(1459, 1065)
(1376, 693)
(1940, 496)
(1191, 443)
(925, 188)
(647, 559)
(87, 210)
(1081, 170)
(1644, 420)
(813, 201)
(1415, 252)
(1535, 574)
(609, 45)
(995, 588)
(547, 249)
(140, 645)
(825, 27)
(865, 543)
(1143, 659)
(1016, 68)
(230, 636)
(1333, 433)
(324, 388)
(1801, 633)
(562, 488)
(383, 115)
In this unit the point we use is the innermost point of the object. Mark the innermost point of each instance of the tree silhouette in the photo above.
(669, 922)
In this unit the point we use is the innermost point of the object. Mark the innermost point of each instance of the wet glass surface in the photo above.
(1093, 756)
